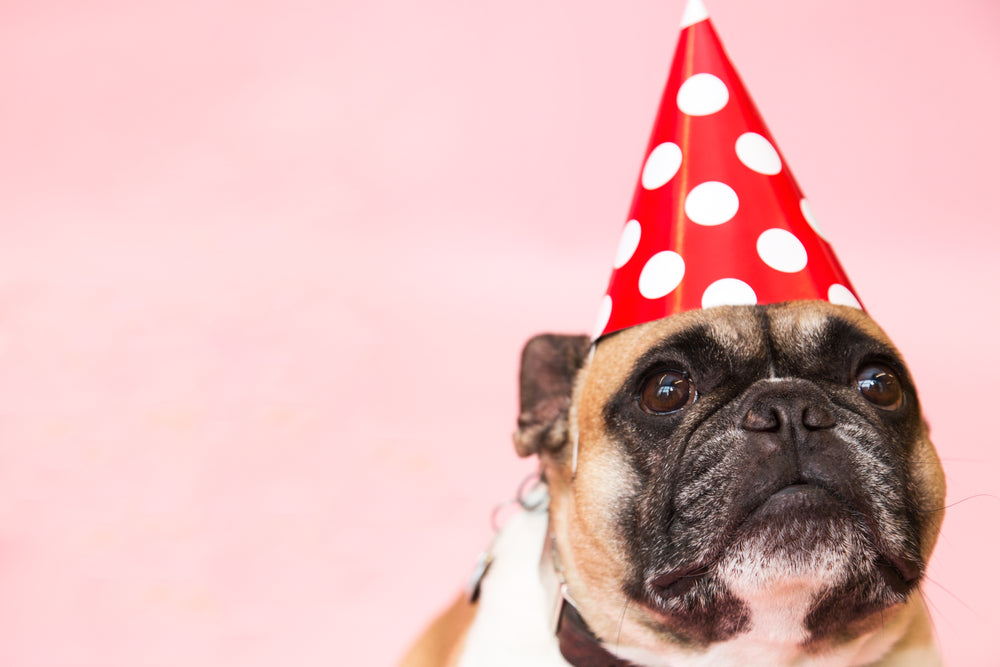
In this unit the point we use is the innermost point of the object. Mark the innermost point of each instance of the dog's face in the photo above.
(742, 471)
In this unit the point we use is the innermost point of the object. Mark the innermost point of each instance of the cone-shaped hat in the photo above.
(717, 217)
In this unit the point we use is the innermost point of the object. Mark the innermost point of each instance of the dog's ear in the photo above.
(549, 364)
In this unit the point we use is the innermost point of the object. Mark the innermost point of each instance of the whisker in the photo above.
(934, 627)
(621, 625)
(824, 594)
(960, 501)
(961, 459)
(950, 594)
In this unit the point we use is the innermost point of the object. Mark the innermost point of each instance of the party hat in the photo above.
(717, 217)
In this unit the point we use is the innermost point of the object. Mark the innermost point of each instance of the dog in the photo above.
(738, 485)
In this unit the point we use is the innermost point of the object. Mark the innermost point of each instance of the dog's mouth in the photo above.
(789, 510)
(794, 520)
(899, 574)
(800, 500)
(675, 584)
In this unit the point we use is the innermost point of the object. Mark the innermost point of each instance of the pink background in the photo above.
(265, 269)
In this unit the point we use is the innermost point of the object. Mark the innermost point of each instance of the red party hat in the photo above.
(717, 217)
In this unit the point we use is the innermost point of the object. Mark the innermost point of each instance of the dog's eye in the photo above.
(666, 391)
(880, 386)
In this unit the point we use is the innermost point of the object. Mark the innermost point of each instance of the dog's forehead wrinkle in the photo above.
(709, 343)
(797, 339)
(729, 334)
(805, 337)
(684, 346)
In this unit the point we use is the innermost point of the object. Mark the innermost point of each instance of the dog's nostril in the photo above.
(816, 417)
(762, 419)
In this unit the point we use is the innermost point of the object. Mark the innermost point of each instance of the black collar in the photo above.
(577, 642)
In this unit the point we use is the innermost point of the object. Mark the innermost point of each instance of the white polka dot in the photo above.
(603, 317)
(661, 165)
(728, 292)
(628, 242)
(810, 217)
(661, 275)
(711, 203)
(702, 94)
(840, 295)
(782, 251)
(758, 154)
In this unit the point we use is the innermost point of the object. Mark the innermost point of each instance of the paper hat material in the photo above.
(717, 217)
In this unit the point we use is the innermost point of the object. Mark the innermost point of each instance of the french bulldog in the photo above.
(739, 485)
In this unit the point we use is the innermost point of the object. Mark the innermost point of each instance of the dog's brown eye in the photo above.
(666, 391)
(880, 386)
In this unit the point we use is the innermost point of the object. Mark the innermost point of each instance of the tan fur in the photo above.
(441, 645)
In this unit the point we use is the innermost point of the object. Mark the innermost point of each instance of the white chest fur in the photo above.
(512, 626)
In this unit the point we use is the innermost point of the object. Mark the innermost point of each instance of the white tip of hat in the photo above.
(693, 13)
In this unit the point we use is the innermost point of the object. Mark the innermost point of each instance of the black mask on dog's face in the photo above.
(795, 451)
(765, 447)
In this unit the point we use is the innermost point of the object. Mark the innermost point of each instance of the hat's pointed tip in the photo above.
(694, 12)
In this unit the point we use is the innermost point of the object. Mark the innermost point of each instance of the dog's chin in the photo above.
(801, 548)
(800, 537)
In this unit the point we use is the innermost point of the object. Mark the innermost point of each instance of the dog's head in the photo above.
(742, 471)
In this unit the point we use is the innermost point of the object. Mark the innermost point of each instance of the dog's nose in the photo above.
(791, 406)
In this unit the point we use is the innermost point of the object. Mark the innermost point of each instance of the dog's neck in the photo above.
(577, 642)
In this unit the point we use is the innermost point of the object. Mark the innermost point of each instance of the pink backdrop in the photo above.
(265, 269)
